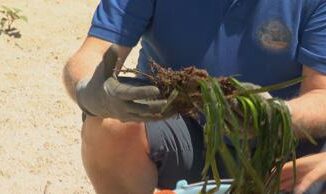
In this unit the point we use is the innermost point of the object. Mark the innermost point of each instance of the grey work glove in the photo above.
(104, 96)
(251, 86)
(237, 110)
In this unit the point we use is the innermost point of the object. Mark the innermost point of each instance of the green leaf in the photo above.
(174, 94)
(308, 136)
(254, 112)
(269, 88)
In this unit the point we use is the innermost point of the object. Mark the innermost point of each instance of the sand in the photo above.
(39, 123)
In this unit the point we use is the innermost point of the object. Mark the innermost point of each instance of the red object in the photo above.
(165, 192)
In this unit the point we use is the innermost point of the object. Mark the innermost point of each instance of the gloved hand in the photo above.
(236, 108)
(104, 96)
(251, 86)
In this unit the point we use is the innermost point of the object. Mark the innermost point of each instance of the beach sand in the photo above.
(39, 123)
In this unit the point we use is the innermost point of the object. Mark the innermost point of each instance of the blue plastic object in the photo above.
(184, 188)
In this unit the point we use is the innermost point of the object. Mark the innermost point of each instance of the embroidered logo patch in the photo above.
(274, 35)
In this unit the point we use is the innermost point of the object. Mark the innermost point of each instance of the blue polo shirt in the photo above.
(260, 41)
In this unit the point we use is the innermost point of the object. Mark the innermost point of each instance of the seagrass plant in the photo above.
(236, 113)
(8, 16)
(255, 171)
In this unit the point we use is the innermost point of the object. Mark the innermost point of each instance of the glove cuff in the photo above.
(288, 106)
(79, 87)
(286, 103)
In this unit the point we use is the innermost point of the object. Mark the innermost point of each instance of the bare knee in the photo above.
(108, 138)
(95, 125)
(115, 155)
(111, 132)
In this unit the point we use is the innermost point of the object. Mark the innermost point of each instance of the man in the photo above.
(262, 41)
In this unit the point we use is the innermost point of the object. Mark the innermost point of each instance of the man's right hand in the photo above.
(104, 96)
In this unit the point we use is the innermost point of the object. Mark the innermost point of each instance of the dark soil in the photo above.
(186, 82)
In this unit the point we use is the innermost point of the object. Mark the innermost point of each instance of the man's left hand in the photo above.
(310, 169)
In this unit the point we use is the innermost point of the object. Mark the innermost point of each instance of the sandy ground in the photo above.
(39, 124)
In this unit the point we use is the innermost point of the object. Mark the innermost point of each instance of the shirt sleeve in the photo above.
(312, 50)
(121, 21)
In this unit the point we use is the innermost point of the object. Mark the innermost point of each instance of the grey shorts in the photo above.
(177, 152)
(177, 149)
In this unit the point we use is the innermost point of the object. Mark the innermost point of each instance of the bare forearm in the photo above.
(308, 113)
(86, 60)
(78, 69)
